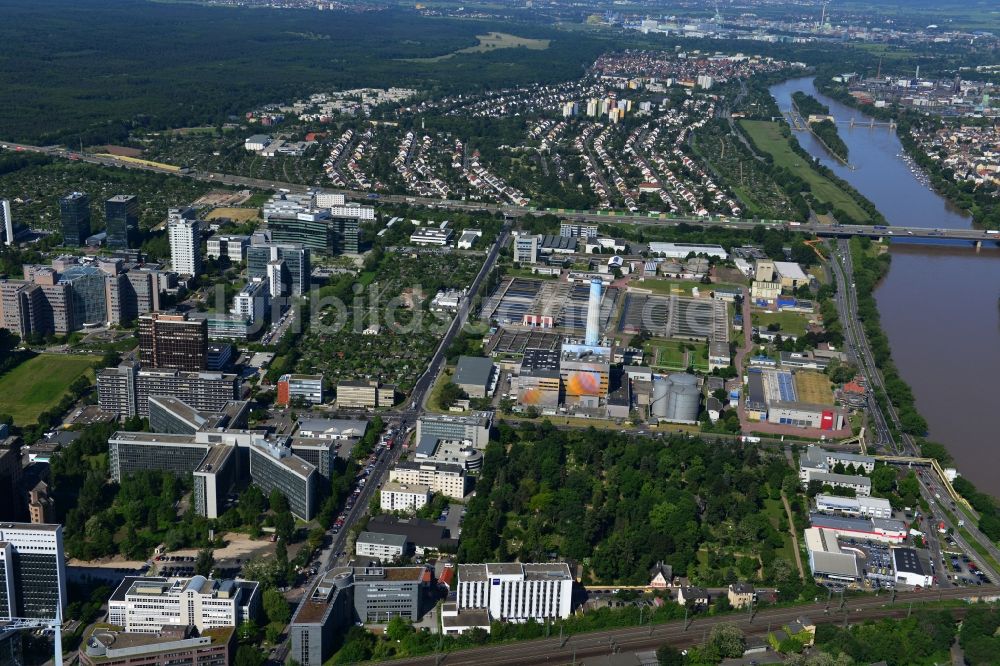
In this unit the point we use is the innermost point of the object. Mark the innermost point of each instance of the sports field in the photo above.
(767, 136)
(39, 383)
(492, 41)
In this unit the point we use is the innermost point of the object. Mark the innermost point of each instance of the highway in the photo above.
(574, 649)
(605, 217)
(854, 334)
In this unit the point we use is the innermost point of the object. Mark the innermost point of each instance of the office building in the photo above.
(292, 267)
(422, 536)
(473, 429)
(431, 236)
(315, 230)
(861, 485)
(354, 594)
(868, 507)
(576, 230)
(252, 302)
(171, 645)
(32, 571)
(74, 211)
(329, 199)
(273, 466)
(386, 547)
(338, 429)
(515, 592)
(526, 249)
(400, 497)
(11, 500)
(347, 220)
(443, 478)
(364, 395)
(40, 504)
(538, 382)
(232, 247)
(131, 452)
(173, 341)
(145, 605)
(122, 214)
(88, 294)
(305, 388)
(125, 390)
(185, 242)
(6, 222)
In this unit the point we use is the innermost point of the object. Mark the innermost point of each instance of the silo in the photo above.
(684, 397)
(661, 389)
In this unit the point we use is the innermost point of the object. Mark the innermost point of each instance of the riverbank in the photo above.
(936, 304)
(978, 202)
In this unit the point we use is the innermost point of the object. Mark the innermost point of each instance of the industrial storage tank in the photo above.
(684, 397)
(661, 390)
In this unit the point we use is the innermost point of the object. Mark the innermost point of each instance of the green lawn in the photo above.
(39, 383)
(767, 136)
(672, 356)
(790, 322)
(775, 511)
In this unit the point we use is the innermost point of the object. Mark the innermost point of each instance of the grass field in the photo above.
(235, 214)
(493, 41)
(775, 511)
(814, 387)
(39, 383)
(767, 136)
(671, 356)
(790, 322)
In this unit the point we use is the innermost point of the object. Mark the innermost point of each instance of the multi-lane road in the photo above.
(580, 647)
(854, 334)
(604, 216)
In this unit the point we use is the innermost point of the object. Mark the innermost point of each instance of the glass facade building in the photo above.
(122, 214)
(74, 210)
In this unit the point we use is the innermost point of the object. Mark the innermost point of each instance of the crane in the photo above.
(55, 624)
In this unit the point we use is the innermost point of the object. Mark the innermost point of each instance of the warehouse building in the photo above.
(909, 569)
(827, 560)
(474, 375)
(884, 530)
(683, 250)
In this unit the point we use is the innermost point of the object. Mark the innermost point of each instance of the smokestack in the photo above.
(594, 313)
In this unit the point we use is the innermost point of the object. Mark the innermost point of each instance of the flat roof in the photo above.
(216, 457)
(290, 461)
(415, 488)
(156, 438)
(382, 539)
(907, 561)
(334, 427)
(847, 479)
(473, 370)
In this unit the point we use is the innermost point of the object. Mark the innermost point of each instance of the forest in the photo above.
(92, 72)
(618, 504)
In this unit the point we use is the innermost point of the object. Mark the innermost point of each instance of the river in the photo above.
(938, 304)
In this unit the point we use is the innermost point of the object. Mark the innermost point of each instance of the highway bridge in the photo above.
(973, 236)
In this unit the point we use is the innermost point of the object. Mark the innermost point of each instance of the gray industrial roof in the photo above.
(382, 539)
(473, 371)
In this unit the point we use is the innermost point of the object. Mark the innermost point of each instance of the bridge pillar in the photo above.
(872, 124)
(979, 245)
(852, 122)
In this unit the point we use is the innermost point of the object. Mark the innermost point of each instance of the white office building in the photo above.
(400, 497)
(526, 249)
(145, 605)
(252, 301)
(329, 199)
(6, 222)
(185, 245)
(233, 247)
(444, 478)
(353, 210)
(515, 592)
(869, 507)
(383, 546)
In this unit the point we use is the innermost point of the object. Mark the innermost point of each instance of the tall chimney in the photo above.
(594, 313)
